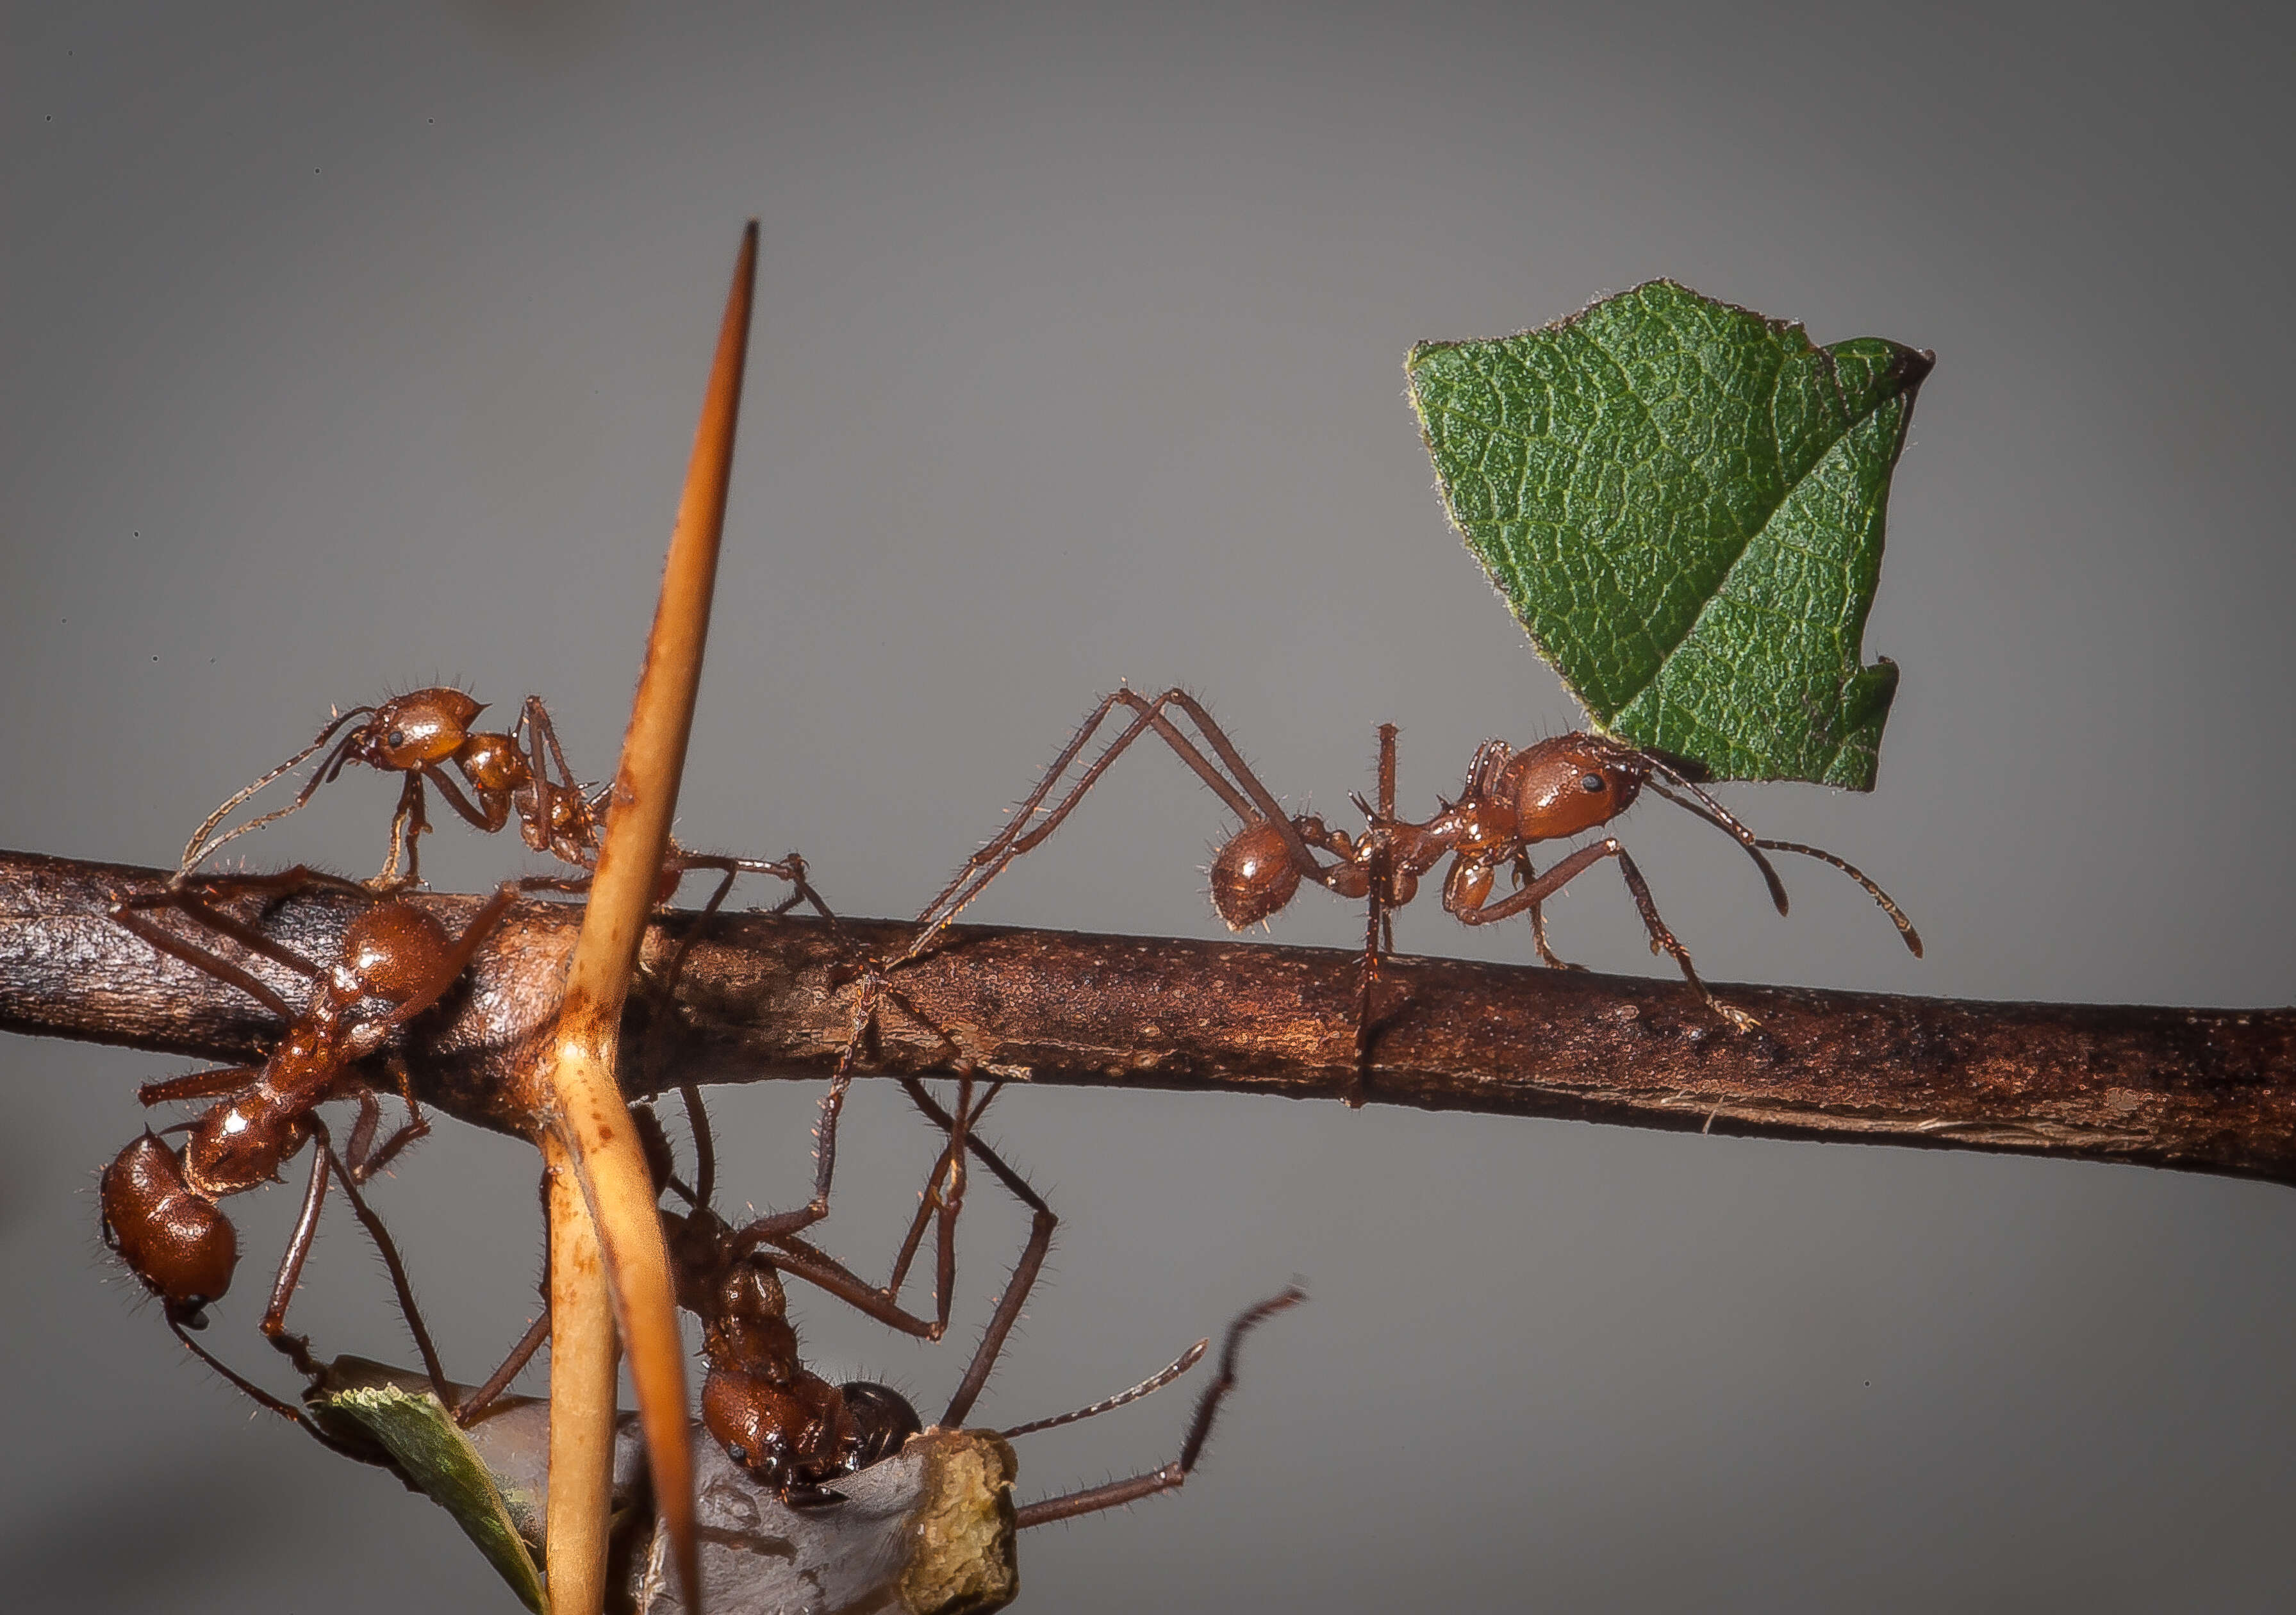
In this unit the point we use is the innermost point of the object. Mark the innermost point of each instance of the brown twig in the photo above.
(2202, 1090)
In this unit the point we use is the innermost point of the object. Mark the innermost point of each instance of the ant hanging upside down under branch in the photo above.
(798, 1433)
(159, 1204)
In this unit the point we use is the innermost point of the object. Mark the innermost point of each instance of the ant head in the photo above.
(1254, 875)
(177, 1243)
(394, 951)
(418, 728)
(1574, 782)
(884, 1418)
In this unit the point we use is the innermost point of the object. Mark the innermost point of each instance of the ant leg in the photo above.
(1024, 1273)
(467, 1413)
(940, 1201)
(361, 1141)
(197, 1084)
(543, 831)
(791, 868)
(131, 915)
(265, 1399)
(1240, 789)
(363, 1166)
(388, 1249)
(680, 863)
(1117, 1493)
(1379, 925)
(804, 1260)
(408, 824)
(478, 818)
(291, 1270)
(1661, 940)
(1524, 874)
(705, 1144)
(778, 1227)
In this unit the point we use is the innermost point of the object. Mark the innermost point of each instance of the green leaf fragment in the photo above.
(1682, 504)
(436, 1455)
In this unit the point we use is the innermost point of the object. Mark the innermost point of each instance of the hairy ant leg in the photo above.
(940, 1201)
(1042, 1222)
(466, 1411)
(1115, 1494)
(1661, 940)
(139, 914)
(325, 1161)
(263, 1399)
(1279, 859)
(938, 1205)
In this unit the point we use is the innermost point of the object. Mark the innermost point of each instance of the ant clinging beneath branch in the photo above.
(159, 1210)
(1512, 800)
(797, 1432)
(421, 735)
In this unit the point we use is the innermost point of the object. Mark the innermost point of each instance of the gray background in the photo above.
(350, 353)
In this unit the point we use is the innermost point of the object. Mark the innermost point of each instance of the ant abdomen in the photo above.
(173, 1238)
(1254, 875)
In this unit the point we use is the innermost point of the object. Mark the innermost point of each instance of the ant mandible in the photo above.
(1512, 800)
(159, 1210)
(422, 733)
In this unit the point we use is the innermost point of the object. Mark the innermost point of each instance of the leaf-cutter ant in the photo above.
(521, 774)
(159, 1204)
(1512, 800)
(797, 1432)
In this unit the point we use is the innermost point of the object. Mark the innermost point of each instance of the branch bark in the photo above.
(759, 998)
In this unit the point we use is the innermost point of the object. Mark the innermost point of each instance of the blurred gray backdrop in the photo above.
(353, 352)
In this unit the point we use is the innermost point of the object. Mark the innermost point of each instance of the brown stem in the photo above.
(759, 997)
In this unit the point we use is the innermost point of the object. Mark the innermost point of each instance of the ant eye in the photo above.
(395, 738)
(1592, 782)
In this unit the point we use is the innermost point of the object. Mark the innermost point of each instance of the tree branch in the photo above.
(757, 997)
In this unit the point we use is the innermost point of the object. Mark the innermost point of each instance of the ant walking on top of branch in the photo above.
(1512, 800)
(421, 734)
(159, 1210)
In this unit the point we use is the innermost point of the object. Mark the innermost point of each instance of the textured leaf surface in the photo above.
(1683, 502)
(437, 1456)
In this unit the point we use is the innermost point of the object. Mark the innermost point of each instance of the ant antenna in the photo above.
(1888, 906)
(1706, 807)
(1755, 845)
(196, 851)
(1153, 1382)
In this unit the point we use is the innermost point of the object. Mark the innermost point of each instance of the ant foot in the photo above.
(1738, 1019)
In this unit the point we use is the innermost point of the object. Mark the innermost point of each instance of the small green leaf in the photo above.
(1682, 502)
(435, 1454)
